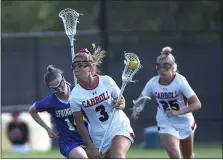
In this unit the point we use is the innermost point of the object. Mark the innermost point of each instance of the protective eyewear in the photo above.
(165, 66)
(80, 64)
(60, 86)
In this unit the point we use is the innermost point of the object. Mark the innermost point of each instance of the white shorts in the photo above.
(181, 132)
(124, 129)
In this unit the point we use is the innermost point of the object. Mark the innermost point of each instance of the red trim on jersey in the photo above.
(98, 78)
(193, 125)
(132, 135)
(174, 75)
(185, 101)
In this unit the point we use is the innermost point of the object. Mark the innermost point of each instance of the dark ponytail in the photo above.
(52, 73)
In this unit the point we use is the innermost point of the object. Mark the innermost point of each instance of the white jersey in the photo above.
(173, 96)
(96, 104)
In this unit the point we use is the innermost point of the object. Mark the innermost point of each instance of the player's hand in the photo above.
(171, 113)
(94, 151)
(51, 133)
(120, 104)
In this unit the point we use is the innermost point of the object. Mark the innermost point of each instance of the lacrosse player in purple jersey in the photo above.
(96, 98)
(70, 142)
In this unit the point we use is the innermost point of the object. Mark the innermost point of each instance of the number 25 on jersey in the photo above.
(171, 104)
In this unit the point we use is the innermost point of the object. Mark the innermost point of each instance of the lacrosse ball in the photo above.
(133, 64)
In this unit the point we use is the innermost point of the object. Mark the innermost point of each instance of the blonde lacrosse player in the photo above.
(96, 100)
(176, 101)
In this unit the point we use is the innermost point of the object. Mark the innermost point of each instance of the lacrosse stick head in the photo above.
(129, 70)
(70, 20)
(139, 105)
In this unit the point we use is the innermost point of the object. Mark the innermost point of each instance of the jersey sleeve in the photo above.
(186, 89)
(147, 91)
(115, 90)
(42, 105)
(74, 105)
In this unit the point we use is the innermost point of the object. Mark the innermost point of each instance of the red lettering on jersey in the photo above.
(162, 95)
(101, 97)
(107, 95)
(83, 103)
(92, 101)
(97, 99)
(88, 103)
(166, 95)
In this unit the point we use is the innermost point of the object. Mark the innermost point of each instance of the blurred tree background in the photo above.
(42, 16)
(180, 16)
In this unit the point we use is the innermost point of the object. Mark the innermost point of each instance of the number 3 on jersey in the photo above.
(170, 104)
(101, 110)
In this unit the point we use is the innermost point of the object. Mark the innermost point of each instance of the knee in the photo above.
(117, 155)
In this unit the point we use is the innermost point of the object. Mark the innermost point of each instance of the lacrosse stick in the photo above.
(70, 20)
(127, 75)
(139, 105)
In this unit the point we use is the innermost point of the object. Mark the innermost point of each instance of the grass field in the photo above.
(201, 151)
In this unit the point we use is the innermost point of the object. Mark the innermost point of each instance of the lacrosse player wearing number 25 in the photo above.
(176, 101)
(96, 100)
(70, 142)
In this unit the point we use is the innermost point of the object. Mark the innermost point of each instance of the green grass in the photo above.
(201, 151)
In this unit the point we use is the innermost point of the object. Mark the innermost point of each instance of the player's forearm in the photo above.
(84, 134)
(191, 108)
(39, 120)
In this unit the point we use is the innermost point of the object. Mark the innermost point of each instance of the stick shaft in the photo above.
(72, 56)
(113, 114)
(121, 92)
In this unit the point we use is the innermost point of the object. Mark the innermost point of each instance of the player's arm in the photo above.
(82, 130)
(34, 113)
(194, 103)
(91, 150)
(78, 117)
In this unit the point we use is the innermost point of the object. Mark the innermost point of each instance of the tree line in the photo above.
(41, 16)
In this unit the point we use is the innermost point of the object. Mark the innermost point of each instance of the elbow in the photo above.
(198, 106)
(30, 110)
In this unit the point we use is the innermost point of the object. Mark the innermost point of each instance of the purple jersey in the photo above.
(62, 116)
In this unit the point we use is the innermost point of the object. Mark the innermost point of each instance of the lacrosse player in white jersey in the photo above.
(176, 101)
(96, 100)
